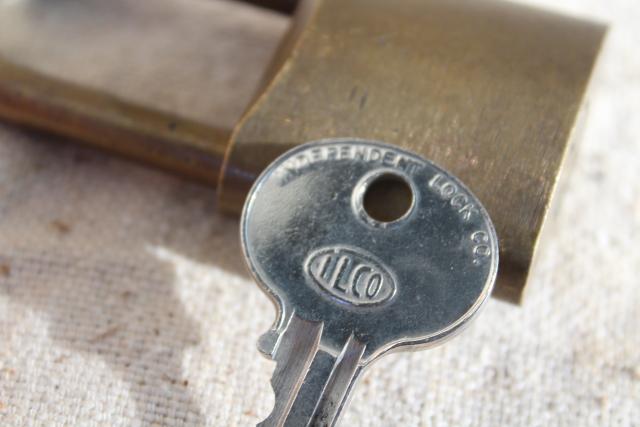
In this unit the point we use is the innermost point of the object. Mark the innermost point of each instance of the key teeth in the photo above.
(272, 418)
(268, 346)
(267, 343)
(293, 350)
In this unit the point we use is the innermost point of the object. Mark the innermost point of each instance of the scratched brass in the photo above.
(168, 141)
(156, 82)
(487, 89)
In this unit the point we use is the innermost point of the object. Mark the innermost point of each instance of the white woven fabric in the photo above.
(124, 299)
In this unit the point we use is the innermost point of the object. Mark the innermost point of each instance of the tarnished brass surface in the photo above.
(188, 147)
(489, 90)
(159, 82)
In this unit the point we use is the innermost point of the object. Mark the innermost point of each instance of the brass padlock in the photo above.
(488, 89)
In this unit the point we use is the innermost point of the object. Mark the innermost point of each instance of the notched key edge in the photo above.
(268, 342)
(293, 352)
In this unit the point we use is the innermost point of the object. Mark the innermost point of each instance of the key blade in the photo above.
(311, 385)
(337, 390)
(327, 387)
(294, 353)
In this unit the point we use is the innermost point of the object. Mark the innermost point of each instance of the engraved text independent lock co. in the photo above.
(348, 287)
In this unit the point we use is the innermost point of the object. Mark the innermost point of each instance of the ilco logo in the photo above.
(351, 275)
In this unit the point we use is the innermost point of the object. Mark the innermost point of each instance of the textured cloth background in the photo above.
(124, 299)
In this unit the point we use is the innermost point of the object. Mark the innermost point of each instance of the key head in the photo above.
(317, 241)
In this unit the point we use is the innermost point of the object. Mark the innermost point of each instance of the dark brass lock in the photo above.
(490, 90)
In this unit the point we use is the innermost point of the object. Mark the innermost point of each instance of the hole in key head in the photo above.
(387, 198)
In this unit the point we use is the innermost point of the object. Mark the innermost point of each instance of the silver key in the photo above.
(352, 282)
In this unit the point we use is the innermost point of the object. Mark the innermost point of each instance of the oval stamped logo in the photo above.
(351, 274)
